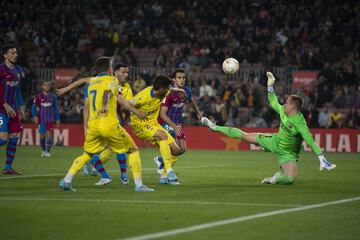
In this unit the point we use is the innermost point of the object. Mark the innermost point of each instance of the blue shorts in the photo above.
(169, 129)
(10, 125)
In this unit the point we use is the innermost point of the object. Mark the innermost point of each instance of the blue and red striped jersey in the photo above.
(175, 104)
(10, 87)
(45, 106)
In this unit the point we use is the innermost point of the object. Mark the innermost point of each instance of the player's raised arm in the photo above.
(81, 81)
(306, 135)
(274, 103)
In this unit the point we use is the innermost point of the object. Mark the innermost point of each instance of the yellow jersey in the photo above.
(126, 91)
(145, 101)
(97, 86)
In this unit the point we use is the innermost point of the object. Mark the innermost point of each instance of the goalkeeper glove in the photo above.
(271, 79)
(325, 164)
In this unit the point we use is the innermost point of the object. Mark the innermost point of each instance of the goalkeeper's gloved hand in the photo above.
(271, 79)
(325, 164)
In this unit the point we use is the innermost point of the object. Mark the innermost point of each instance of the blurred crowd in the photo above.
(197, 35)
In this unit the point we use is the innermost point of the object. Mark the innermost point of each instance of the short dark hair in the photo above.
(5, 48)
(117, 66)
(161, 81)
(297, 100)
(102, 64)
(178, 70)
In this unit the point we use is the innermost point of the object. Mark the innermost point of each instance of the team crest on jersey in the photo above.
(46, 104)
(111, 85)
(12, 83)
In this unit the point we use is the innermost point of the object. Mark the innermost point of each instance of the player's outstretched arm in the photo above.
(175, 89)
(274, 103)
(305, 133)
(81, 81)
(195, 107)
(128, 106)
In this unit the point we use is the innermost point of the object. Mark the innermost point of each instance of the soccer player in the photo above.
(149, 100)
(171, 114)
(121, 72)
(104, 128)
(12, 108)
(45, 112)
(286, 144)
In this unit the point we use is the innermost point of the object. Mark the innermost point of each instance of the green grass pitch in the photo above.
(215, 186)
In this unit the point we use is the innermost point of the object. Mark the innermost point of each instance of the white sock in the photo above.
(69, 177)
(138, 182)
(169, 170)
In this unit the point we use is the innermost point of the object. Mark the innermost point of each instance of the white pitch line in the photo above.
(236, 220)
(32, 176)
(61, 174)
(148, 201)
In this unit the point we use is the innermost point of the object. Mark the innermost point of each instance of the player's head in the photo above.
(179, 77)
(293, 104)
(121, 72)
(45, 86)
(161, 85)
(9, 53)
(103, 65)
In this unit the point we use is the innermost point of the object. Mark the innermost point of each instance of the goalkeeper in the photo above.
(287, 143)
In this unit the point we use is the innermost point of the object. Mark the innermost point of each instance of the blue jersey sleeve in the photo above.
(19, 98)
(56, 109)
(86, 91)
(34, 109)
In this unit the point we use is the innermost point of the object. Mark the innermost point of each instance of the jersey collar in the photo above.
(152, 92)
(102, 74)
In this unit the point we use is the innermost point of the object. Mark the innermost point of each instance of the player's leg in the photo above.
(121, 159)
(286, 176)
(158, 160)
(97, 164)
(228, 131)
(13, 137)
(93, 144)
(49, 139)
(120, 141)
(104, 156)
(77, 164)
(4, 121)
(168, 148)
(42, 132)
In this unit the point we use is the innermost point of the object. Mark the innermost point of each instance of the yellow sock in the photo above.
(106, 155)
(165, 154)
(135, 164)
(173, 160)
(79, 163)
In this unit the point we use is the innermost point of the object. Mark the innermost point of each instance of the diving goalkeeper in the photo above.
(287, 143)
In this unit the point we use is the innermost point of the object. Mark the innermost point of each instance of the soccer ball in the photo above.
(230, 66)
